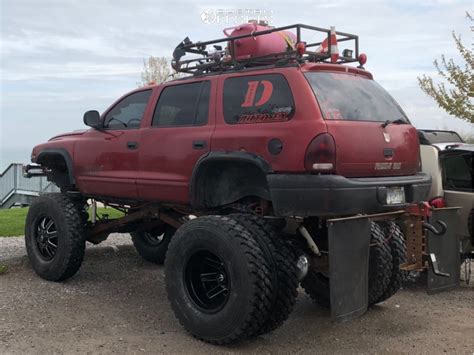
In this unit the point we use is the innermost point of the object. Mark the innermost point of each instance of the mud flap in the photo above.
(443, 252)
(349, 243)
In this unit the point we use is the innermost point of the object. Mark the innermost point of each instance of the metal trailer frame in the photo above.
(429, 248)
(431, 239)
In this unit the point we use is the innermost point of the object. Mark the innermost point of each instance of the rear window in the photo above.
(432, 137)
(350, 97)
(457, 171)
(257, 99)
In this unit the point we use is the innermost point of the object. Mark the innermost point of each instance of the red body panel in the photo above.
(162, 165)
(104, 165)
(360, 146)
(295, 134)
(167, 156)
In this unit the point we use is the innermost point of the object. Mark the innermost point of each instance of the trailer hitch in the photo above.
(432, 229)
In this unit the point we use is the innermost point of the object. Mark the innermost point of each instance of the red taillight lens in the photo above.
(321, 154)
(438, 202)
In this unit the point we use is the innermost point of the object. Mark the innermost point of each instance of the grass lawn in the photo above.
(12, 221)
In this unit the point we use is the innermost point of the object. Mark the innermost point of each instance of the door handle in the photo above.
(199, 144)
(132, 145)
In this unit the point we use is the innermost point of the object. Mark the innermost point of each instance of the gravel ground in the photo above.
(117, 304)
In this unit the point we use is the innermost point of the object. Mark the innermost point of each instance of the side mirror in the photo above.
(92, 119)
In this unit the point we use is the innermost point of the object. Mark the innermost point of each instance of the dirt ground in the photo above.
(117, 304)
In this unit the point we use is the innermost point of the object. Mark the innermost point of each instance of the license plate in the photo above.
(395, 195)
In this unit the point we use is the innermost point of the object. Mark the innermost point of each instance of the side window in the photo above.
(129, 112)
(257, 99)
(458, 172)
(183, 105)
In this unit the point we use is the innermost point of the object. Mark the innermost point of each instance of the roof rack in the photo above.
(219, 59)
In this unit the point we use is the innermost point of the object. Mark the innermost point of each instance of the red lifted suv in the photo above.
(232, 173)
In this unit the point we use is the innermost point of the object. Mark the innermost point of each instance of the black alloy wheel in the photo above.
(207, 281)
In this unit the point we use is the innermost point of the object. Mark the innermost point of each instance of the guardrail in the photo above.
(15, 188)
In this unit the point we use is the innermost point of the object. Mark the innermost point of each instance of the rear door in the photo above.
(178, 134)
(355, 109)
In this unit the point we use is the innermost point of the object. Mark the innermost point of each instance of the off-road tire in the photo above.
(283, 259)
(380, 264)
(316, 285)
(150, 250)
(69, 222)
(247, 268)
(398, 248)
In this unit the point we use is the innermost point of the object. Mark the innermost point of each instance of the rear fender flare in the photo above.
(257, 163)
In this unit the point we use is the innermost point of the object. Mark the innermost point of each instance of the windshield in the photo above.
(343, 96)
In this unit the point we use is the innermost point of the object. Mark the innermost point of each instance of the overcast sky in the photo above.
(61, 58)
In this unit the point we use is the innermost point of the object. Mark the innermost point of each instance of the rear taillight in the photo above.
(420, 166)
(321, 154)
(438, 202)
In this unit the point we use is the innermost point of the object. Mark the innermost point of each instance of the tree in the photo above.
(457, 100)
(156, 70)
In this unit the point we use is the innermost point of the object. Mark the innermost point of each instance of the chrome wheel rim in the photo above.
(47, 238)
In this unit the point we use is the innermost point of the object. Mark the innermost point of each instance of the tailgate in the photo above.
(366, 149)
(356, 111)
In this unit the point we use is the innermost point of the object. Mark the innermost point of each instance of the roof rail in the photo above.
(220, 59)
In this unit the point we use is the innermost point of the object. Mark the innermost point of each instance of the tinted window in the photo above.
(183, 105)
(458, 171)
(350, 97)
(431, 137)
(257, 99)
(128, 113)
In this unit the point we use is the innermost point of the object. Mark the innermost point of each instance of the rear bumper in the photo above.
(334, 195)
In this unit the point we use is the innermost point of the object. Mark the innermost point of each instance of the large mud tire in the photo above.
(316, 285)
(380, 264)
(153, 245)
(283, 259)
(55, 236)
(396, 240)
(218, 280)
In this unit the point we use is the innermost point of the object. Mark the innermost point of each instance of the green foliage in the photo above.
(457, 98)
(3, 269)
(12, 221)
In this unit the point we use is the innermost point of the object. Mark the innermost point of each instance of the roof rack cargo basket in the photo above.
(224, 53)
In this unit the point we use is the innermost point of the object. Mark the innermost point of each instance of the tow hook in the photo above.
(432, 258)
(433, 229)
